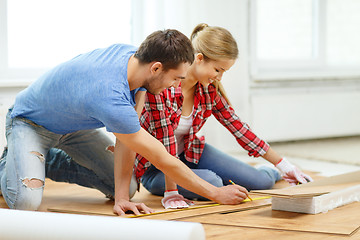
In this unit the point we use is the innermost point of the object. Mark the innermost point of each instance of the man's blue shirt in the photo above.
(89, 91)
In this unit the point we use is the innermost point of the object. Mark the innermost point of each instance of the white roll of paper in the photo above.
(16, 224)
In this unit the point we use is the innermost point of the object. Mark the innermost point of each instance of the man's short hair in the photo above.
(170, 47)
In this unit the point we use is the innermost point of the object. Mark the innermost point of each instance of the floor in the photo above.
(308, 155)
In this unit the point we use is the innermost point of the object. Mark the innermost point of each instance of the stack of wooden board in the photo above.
(318, 196)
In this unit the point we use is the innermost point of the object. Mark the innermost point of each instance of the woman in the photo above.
(177, 114)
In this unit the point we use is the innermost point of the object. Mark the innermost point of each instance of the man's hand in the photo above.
(123, 205)
(231, 194)
(292, 174)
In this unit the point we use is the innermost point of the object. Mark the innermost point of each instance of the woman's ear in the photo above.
(156, 67)
(199, 57)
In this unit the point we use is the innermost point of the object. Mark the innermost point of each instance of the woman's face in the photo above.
(208, 71)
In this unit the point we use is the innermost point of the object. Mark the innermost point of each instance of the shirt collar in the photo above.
(175, 92)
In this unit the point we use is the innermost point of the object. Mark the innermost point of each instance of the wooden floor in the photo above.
(70, 198)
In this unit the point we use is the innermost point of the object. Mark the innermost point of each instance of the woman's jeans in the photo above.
(34, 152)
(216, 168)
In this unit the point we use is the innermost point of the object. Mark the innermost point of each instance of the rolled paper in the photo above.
(17, 224)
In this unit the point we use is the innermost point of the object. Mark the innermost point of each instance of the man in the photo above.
(65, 108)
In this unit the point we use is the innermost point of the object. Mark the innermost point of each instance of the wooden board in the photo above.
(205, 210)
(312, 191)
(318, 204)
(200, 208)
(221, 232)
(343, 220)
(316, 188)
(56, 194)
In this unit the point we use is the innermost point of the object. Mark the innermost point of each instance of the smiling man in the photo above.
(53, 128)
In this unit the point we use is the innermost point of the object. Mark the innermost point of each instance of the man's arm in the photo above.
(123, 167)
(152, 149)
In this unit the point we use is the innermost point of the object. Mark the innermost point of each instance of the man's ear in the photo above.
(156, 67)
(199, 57)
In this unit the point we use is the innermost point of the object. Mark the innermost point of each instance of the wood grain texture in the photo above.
(317, 187)
(60, 195)
(343, 221)
(190, 212)
(221, 232)
(294, 192)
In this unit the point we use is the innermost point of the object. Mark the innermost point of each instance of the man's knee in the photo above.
(33, 183)
(29, 197)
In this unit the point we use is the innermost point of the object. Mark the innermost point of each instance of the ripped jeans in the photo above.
(34, 153)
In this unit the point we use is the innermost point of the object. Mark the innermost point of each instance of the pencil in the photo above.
(234, 184)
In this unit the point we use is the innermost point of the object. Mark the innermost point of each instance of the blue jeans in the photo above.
(34, 152)
(217, 168)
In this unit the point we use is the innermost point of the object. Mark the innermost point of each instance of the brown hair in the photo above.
(214, 43)
(170, 47)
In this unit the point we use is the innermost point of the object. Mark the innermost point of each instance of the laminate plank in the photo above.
(344, 220)
(221, 232)
(317, 187)
(293, 192)
(209, 209)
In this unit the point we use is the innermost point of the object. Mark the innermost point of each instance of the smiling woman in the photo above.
(40, 34)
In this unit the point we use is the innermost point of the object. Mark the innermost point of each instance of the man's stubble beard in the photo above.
(149, 85)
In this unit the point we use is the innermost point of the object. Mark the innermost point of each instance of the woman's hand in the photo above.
(291, 173)
(173, 200)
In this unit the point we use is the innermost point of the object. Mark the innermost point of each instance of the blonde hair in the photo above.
(214, 43)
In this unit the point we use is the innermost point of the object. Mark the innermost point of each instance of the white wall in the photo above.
(7, 97)
(306, 112)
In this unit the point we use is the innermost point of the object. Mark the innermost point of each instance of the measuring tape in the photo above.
(190, 208)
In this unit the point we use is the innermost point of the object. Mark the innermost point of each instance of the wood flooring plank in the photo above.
(294, 192)
(317, 187)
(344, 220)
(215, 208)
(220, 232)
(64, 194)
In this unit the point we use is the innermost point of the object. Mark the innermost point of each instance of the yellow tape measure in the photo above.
(190, 208)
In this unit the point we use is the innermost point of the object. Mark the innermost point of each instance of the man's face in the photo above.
(162, 80)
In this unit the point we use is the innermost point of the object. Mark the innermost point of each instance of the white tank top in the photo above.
(182, 129)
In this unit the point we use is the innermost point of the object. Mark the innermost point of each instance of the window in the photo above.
(39, 34)
(301, 39)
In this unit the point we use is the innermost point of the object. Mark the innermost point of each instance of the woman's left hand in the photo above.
(291, 173)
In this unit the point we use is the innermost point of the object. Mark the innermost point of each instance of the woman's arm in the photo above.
(226, 115)
(170, 184)
(172, 198)
(272, 156)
